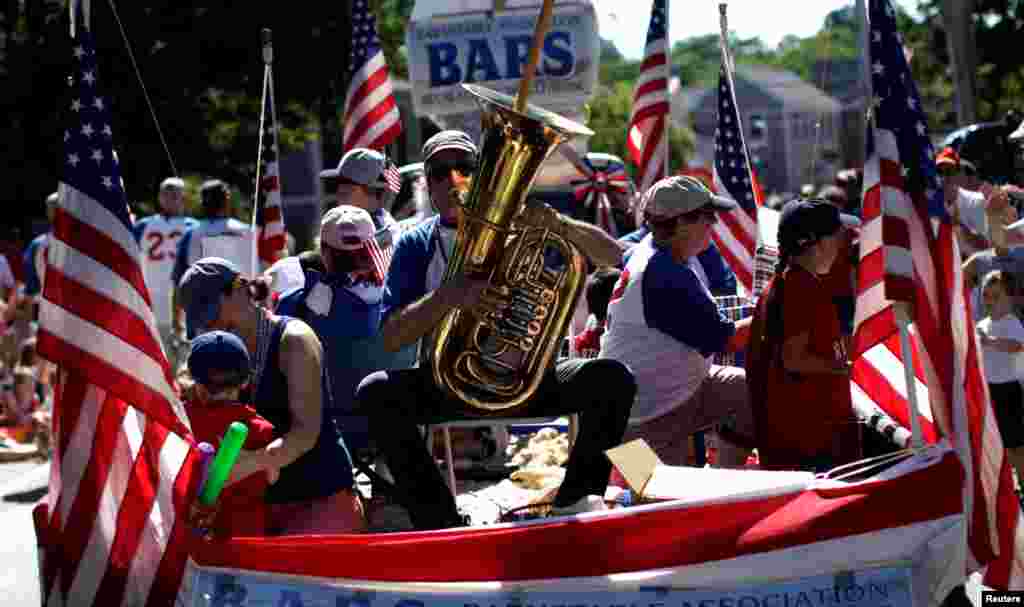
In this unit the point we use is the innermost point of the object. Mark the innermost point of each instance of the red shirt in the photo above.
(588, 343)
(241, 507)
(840, 279)
(806, 413)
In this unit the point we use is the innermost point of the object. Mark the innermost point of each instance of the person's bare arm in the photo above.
(797, 358)
(741, 337)
(592, 240)
(301, 362)
(407, 324)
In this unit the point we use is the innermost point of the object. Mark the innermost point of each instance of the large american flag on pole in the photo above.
(735, 234)
(909, 254)
(112, 524)
(647, 135)
(370, 118)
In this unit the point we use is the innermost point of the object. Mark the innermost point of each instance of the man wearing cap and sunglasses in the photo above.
(158, 237)
(415, 301)
(663, 323)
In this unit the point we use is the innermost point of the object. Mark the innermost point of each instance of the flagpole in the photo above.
(268, 58)
(668, 89)
(727, 62)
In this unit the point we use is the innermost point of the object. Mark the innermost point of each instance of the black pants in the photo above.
(601, 391)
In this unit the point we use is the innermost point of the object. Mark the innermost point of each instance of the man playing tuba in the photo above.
(416, 301)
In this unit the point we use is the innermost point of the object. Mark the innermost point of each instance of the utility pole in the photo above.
(958, 21)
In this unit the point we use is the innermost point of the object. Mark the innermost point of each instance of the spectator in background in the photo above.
(158, 237)
(999, 213)
(218, 234)
(11, 247)
(34, 259)
(1002, 344)
(967, 194)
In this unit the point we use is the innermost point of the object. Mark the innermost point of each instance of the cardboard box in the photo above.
(652, 481)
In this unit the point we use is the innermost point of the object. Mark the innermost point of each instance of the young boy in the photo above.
(1002, 345)
(599, 288)
(219, 364)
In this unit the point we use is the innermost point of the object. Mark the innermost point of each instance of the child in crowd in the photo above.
(1002, 344)
(600, 286)
(19, 403)
(797, 369)
(219, 365)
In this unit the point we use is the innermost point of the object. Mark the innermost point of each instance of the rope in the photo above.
(821, 87)
(145, 93)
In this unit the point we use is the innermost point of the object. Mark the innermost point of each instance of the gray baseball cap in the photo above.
(448, 140)
(361, 166)
(172, 183)
(200, 290)
(680, 194)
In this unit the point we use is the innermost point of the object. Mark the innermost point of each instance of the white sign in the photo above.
(879, 587)
(492, 49)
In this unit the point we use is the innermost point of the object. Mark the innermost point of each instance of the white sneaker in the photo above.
(587, 503)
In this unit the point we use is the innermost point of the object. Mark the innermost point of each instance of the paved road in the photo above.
(21, 486)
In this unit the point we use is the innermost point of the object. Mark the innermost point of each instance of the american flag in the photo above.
(392, 176)
(271, 239)
(909, 254)
(735, 234)
(371, 118)
(122, 474)
(648, 124)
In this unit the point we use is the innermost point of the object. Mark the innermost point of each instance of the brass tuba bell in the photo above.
(496, 364)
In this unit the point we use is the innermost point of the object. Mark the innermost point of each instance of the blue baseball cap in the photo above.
(200, 290)
(218, 358)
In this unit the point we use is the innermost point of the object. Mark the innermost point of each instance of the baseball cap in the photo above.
(1018, 134)
(804, 222)
(947, 157)
(52, 200)
(346, 227)
(201, 288)
(361, 166)
(217, 354)
(448, 140)
(680, 194)
(172, 183)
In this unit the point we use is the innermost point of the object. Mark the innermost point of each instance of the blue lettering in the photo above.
(517, 51)
(444, 67)
(558, 56)
(481, 58)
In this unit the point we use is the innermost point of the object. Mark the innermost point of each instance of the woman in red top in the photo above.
(797, 369)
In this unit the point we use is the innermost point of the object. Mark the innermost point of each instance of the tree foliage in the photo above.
(609, 116)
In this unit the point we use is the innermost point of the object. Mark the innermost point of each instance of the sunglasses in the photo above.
(440, 170)
(709, 215)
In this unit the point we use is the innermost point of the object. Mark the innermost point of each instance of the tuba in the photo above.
(494, 365)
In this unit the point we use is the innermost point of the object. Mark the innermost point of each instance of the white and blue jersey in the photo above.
(158, 237)
(664, 325)
(222, 237)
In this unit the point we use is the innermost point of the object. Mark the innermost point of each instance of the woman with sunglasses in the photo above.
(313, 492)
(664, 324)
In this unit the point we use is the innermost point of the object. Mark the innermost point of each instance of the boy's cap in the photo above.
(201, 288)
(361, 166)
(680, 194)
(172, 183)
(218, 353)
(804, 222)
(346, 227)
(448, 140)
(947, 157)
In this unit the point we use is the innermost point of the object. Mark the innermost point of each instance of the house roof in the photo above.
(788, 88)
